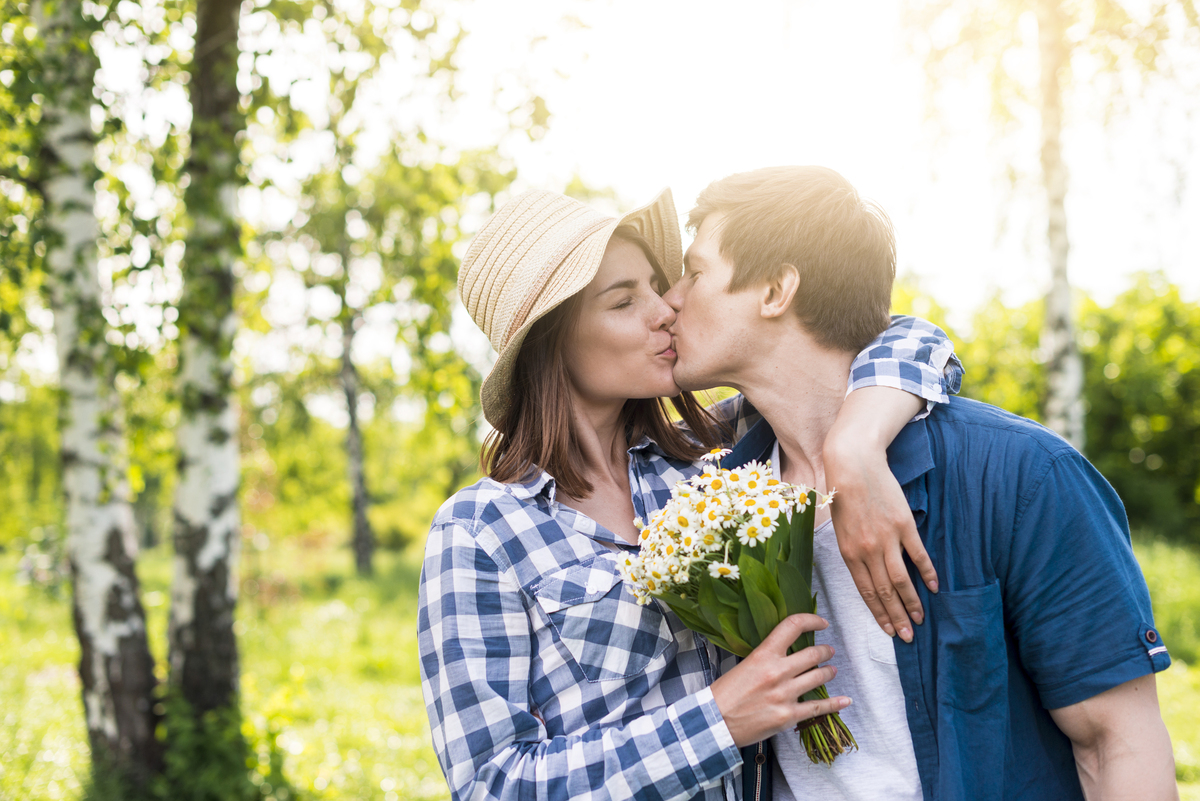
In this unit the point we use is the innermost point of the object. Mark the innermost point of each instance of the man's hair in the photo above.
(539, 429)
(844, 247)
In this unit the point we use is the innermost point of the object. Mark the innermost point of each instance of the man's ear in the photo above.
(779, 291)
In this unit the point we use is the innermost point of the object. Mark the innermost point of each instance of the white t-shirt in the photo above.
(884, 766)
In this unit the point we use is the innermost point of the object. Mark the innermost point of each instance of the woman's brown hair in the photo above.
(538, 430)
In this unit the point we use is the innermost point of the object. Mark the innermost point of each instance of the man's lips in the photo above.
(669, 352)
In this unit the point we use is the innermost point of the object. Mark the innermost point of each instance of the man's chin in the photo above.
(691, 383)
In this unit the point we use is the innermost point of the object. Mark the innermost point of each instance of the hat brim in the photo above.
(657, 222)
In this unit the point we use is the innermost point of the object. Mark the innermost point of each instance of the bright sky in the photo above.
(653, 93)
(662, 93)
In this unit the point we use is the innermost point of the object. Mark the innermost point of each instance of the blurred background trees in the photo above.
(1031, 74)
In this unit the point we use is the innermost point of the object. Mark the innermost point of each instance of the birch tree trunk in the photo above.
(1063, 410)
(203, 647)
(364, 536)
(115, 668)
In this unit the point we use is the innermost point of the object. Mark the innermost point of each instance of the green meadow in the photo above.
(330, 675)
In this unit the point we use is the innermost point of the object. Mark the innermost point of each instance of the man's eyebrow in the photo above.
(690, 259)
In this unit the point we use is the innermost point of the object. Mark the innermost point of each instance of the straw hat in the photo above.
(537, 250)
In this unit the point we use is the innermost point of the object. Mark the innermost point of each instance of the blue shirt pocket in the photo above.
(971, 666)
(598, 621)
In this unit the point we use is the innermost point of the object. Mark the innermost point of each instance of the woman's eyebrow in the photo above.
(628, 283)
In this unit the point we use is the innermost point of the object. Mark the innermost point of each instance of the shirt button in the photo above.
(1152, 635)
(760, 759)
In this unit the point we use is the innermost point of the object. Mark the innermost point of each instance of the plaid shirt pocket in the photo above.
(597, 620)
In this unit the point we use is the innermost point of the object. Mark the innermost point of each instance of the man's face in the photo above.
(713, 328)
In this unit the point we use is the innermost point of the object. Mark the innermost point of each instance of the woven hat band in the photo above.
(552, 263)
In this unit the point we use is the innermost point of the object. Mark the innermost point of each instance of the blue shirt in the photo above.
(1042, 603)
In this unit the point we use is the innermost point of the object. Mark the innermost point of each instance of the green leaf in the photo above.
(775, 543)
(765, 615)
(734, 642)
(709, 606)
(726, 593)
(796, 594)
(746, 625)
(689, 613)
(752, 572)
(761, 579)
(801, 556)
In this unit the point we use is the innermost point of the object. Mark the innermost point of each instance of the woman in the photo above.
(542, 676)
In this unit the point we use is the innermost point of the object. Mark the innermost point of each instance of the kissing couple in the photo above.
(986, 632)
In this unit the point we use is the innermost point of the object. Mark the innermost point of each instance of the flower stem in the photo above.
(825, 737)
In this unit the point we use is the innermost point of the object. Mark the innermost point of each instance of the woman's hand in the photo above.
(871, 518)
(761, 695)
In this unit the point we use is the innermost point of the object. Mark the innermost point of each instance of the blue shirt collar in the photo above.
(910, 455)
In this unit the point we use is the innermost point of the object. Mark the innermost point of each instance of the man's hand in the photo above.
(761, 695)
(871, 518)
(1122, 749)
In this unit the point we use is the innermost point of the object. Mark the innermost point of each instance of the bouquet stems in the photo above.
(824, 737)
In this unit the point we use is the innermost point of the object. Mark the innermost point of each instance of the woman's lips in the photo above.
(668, 352)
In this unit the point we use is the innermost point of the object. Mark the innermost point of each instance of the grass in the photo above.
(329, 672)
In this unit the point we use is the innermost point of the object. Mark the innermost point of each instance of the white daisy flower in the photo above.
(716, 454)
(723, 570)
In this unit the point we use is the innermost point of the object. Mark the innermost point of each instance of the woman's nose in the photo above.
(665, 315)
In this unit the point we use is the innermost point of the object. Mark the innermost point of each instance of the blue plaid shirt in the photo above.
(543, 677)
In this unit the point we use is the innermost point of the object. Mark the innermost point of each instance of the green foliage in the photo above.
(1142, 356)
(30, 490)
(212, 760)
(1142, 388)
(1173, 574)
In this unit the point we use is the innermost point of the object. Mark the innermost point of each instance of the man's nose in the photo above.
(674, 297)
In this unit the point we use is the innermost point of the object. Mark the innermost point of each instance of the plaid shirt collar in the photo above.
(542, 483)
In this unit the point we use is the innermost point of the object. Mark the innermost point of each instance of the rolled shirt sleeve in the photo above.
(476, 659)
(912, 355)
(1074, 594)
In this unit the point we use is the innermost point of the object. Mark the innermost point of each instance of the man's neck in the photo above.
(798, 387)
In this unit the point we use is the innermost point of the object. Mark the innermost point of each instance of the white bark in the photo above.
(116, 669)
(1064, 368)
(203, 647)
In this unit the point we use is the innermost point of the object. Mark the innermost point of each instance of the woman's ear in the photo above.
(779, 291)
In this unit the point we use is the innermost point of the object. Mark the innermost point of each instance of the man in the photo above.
(1032, 676)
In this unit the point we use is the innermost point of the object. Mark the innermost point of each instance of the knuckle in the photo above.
(885, 594)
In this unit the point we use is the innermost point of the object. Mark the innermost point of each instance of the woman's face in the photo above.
(619, 347)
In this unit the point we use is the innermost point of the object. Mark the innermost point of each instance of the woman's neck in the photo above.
(600, 429)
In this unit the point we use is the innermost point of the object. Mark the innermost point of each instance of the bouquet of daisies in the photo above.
(732, 554)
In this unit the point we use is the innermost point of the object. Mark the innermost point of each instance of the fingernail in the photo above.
(918, 618)
(887, 627)
(933, 586)
(906, 635)
(845, 702)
